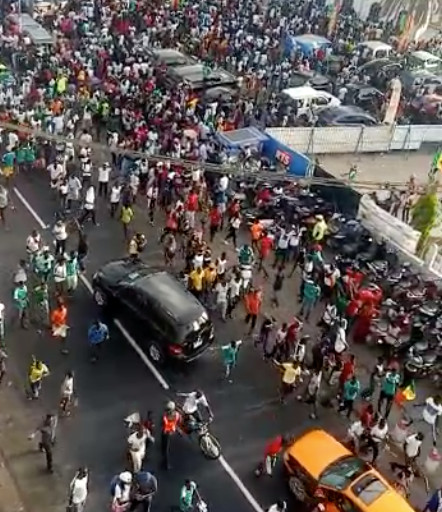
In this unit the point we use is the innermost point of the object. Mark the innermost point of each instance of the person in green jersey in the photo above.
(72, 270)
(21, 302)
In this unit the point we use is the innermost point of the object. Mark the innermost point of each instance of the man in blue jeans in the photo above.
(98, 333)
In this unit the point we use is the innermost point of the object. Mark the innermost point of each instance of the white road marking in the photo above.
(29, 208)
(238, 482)
(161, 380)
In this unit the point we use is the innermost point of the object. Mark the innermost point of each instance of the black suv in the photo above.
(177, 323)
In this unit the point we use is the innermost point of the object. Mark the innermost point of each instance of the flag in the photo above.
(333, 18)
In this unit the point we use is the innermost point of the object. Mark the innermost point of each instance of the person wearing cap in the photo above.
(319, 229)
(121, 492)
(169, 423)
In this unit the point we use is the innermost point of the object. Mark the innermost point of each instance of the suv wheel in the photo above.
(297, 488)
(99, 297)
(156, 353)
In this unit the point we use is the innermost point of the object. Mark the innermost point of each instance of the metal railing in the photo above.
(357, 139)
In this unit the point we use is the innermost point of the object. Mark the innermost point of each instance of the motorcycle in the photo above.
(421, 365)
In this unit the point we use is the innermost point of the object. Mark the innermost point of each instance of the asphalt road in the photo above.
(247, 412)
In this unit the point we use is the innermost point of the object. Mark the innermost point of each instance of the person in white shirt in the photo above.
(431, 413)
(221, 291)
(354, 433)
(223, 183)
(89, 206)
(137, 447)
(340, 344)
(74, 189)
(78, 490)
(377, 437)
(115, 197)
(33, 243)
(103, 179)
(67, 392)
(412, 447)
(234, 295)
(193, 401)
(60, 274)
(60, 233)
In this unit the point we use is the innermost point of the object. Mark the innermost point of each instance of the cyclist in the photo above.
(191, 406)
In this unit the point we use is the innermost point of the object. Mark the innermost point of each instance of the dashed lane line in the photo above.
(160, 379)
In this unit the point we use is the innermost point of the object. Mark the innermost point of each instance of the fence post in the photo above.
(407, 138)
(360, 138)
(310, 140)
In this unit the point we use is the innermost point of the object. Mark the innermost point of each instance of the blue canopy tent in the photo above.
(306, 43)
(235, 140)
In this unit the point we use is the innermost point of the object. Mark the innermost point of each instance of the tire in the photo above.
(100, 298)
(297, 488)
(210, 446)
(156, 353)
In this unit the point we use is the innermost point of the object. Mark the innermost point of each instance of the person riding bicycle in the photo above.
(246, 256)
(191, 410)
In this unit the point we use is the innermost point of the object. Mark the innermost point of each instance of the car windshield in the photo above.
(341, 473)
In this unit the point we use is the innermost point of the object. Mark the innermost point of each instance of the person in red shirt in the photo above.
(253, 302)
(192, 208)
(214, 221)
(348, 370)
(265, 247)
(271, 452)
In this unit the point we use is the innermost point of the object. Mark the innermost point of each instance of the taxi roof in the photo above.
(316, 449)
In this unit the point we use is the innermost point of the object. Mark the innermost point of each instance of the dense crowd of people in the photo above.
(98, 84)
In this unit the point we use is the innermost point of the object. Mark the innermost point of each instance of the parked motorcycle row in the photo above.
(408, 321)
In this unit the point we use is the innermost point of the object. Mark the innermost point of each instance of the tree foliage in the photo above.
(425, 216)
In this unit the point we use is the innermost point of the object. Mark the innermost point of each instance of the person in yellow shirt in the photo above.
(37, 371)
(62, 83)
(126, 216)
(291, 373)
(209, 282)
(196, 280)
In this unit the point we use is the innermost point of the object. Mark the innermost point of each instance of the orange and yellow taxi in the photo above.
(317, 463)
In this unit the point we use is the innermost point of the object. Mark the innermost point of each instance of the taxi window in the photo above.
(368, 489)
(340, 474)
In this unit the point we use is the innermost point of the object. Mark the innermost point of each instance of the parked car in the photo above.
(317, 461)
(198, 79)
(412, 81)
(176, 324)
(306, 99)
(362, 95)
(170, 57)
(381, 71)
(317, 81)
(345, 115)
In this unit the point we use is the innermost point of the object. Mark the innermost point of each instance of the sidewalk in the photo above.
(392, 167)
(24, 484)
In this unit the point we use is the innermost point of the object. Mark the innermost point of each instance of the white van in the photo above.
(306, 98)
(370, 50)
(424, 60)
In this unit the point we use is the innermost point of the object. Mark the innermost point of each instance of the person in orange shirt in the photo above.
(58, 324)
(253, 302)
(256, 231)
